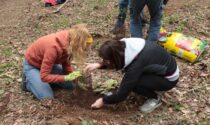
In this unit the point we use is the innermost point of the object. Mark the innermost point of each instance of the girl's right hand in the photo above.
(91, 67)
(98, 104)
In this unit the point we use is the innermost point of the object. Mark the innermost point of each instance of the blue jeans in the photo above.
(155, 10)
(40, 89)
(123, 6)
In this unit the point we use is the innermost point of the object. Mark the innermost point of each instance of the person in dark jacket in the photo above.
(147, 66)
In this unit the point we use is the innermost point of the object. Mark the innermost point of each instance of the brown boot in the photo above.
(119, 32)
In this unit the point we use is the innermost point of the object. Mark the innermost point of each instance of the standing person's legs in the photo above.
(34, 84)
(119, 28)
(136, 7)
(123, 6)
(155, 10)
(147, 86)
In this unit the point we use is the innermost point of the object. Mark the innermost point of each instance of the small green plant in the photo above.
(106, 87)
(85, 122)
(178, 106)
(97, 46)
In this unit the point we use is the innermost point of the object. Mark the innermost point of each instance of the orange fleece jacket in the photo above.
(48, 51)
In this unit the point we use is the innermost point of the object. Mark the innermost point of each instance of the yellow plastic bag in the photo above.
(188, 48)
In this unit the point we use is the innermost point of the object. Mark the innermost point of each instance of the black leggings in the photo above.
(149, 83)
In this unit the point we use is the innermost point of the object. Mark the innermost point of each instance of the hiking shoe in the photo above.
(23, 85)
(118, 29)
(150, 105)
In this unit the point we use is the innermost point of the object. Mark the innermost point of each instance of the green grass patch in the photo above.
(182, 122)
(96, 4)
(53, 22)
(208, 6)
(37, 28)
(7, 79)
(101, 2)
(203, 122)
(7, 52)
(208, 65)
(181, 26)
(6, 66)
(61, 22)
(170, 19)
(1, 92)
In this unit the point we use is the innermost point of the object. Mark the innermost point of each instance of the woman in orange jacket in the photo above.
(47, 61)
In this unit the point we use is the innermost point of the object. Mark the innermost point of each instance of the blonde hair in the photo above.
(78, 42)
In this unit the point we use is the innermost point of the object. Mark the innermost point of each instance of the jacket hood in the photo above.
(133, 47)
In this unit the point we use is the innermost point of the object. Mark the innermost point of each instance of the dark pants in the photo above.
(150, 83)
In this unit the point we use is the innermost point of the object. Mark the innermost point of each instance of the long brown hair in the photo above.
(112, 53)
(79, 41)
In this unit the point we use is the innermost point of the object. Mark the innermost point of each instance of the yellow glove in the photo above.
(72, 76)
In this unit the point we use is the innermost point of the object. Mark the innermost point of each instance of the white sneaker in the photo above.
(150, 105)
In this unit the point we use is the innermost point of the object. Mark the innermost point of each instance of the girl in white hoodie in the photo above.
(148, 68)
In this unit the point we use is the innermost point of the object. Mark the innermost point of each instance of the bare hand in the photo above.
(91, 67)
(97, 104)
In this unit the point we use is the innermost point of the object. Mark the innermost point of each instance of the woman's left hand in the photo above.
(97, 104)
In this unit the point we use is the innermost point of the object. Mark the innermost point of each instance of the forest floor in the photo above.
(23, 21)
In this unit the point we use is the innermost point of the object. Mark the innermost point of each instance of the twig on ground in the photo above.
(59, 8)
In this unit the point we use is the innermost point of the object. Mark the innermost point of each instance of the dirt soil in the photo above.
(23, 21)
